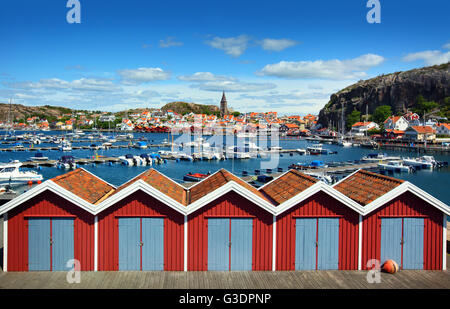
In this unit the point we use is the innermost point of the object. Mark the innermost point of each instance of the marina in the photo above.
(289, 152)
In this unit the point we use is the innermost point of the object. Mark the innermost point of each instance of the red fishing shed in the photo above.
(51, 224)
(400, 222)
(314, 229)
(229, 225)
(141, 225)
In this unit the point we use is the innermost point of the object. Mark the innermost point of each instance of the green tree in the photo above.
(353, 118)
(422, 106)
(381, 113)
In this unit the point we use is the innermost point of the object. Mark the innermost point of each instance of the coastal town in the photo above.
(406, 126)
(223, 153)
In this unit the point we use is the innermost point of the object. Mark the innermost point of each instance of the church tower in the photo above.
(223, 105)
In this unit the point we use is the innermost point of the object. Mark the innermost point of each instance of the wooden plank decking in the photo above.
(226, 280)
(407, 279)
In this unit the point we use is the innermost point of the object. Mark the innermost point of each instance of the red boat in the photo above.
(195, 176)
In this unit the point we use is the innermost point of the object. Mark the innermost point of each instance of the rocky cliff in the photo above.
(398, 90)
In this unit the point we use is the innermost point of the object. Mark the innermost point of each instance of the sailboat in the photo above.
(10, 134)
(343, 142)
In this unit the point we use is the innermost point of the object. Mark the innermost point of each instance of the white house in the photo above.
(360, 128)
(398, 123)
(107, 118)
(126, 125)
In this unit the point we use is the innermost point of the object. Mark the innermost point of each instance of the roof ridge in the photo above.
(303, 175)
(65, 175)
(400, 181)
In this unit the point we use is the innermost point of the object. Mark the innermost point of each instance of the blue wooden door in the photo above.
(38, 244)
(62, 243)
(218, 244)
(413, 243)
(129, 243)
(328, 244)
(305, 243)
(152, 243)
(391, 240)
(241, 244)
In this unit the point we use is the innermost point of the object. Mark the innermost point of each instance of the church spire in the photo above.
(223, 105)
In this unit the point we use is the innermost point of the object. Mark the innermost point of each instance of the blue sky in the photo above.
(287, 56)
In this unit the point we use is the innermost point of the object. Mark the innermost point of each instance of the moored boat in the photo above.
(10, 174)
(396, 166)
(195, 176)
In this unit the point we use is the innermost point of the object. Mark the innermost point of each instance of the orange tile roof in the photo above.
(291, 125)
(393, 118)
(423, 129)
(445, 125)
(217, 180)
(160, 183)
(287, 186)
(364, 187)
(84, 185)
(395, 131)
(358, 124)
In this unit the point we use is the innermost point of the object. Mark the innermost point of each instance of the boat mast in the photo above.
(367, 116)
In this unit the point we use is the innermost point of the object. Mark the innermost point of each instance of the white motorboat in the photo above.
(346, 144)
(10, 174)
(65, 146)
(185, 157)
(106, 145)
(422, 162)
(316, 149)
(376, 157)
(35, 141)
(322, 177)
(66, 162)
(127, 159)
(301, 151)
(396, 166)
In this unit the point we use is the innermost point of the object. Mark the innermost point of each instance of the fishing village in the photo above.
(225, 151)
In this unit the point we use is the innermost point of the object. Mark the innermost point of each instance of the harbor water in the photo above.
(435, 182)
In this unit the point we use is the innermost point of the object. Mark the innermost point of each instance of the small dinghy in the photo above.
(195, 176)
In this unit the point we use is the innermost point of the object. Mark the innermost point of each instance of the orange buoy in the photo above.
(39, 182)
(30, 182)
(390, 266)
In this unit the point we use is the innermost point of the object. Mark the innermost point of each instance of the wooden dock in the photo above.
(418, 149)
(339, 279)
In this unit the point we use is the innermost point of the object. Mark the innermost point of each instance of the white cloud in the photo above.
(143, 75)
(169, 42)
(88, 84)
(277, 44)
(331, 69)
(233, 46)
(204, 77)
(430, 57)
(446, 46)
(234, 86)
